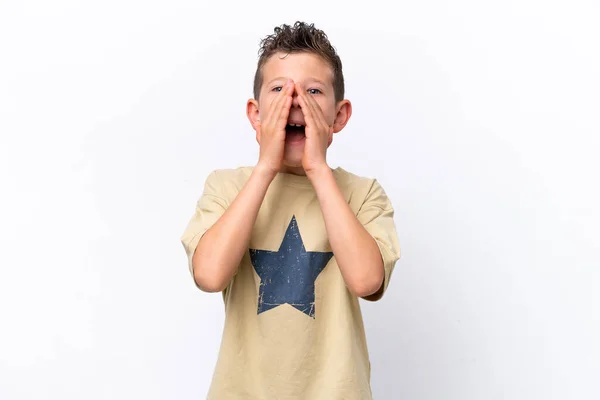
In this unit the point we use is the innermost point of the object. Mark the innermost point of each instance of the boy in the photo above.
(291, 243)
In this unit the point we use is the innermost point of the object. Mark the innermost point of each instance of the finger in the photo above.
(307, 111)
(284, 114)
(286, 103)
(315, 110)
(318, 114)
(279, 104)
(305, 106)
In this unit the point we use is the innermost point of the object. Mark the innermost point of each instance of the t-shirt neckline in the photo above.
(289, 179)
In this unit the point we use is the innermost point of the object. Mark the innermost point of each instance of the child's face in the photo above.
(315, 76)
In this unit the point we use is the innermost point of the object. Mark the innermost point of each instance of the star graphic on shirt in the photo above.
(287, 276)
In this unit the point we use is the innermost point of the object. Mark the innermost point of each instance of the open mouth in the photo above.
(294, 132)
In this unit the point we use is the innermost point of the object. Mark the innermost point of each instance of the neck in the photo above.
(292, 170)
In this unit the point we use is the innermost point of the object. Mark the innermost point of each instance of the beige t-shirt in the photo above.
(292, 328)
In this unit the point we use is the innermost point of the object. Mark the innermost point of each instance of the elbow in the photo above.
(208, 281)
(367, 287)
(207, 277)
(369, 281)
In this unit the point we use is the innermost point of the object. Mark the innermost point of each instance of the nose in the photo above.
(295, 99)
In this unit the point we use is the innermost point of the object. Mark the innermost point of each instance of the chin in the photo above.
(292, 163)
(293, 159)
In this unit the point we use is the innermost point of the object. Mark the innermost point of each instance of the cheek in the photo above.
(329, 116)
(328, 110)
(265, 104)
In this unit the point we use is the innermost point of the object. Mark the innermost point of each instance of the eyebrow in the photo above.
(317, 81)
(285, 79)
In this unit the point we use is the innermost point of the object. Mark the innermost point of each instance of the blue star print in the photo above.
(287, 276)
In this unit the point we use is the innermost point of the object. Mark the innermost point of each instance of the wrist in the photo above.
(319, 173)
(264, 173)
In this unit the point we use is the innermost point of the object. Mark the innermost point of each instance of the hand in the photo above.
(271, 131)
(318, 132)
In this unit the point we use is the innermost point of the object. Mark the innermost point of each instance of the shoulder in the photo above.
(355, 182)
(362, 192)
(230, 174)
(227, 182)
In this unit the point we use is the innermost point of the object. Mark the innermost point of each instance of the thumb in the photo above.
(258, 130)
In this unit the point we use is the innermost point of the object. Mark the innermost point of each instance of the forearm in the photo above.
(355, 250)
(222, 247)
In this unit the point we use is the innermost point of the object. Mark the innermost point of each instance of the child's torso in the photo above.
(292, 328)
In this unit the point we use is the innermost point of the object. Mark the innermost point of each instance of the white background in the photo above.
(480, 119)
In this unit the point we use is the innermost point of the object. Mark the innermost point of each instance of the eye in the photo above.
(314, 91)
(277, 89)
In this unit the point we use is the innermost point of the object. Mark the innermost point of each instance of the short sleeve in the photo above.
(377, 216)
(209, 208)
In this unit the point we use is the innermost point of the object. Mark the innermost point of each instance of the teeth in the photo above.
(295, 125)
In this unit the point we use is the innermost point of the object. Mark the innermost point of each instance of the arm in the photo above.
(222, 247)
(356, 252)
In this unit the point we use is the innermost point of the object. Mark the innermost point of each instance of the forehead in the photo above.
(297, 66)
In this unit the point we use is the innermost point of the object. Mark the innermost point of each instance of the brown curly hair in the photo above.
(300, 38)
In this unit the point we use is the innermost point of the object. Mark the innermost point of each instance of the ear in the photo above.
(344, 111)
(252, 113)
